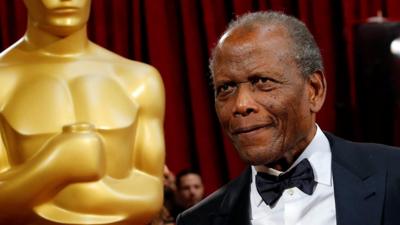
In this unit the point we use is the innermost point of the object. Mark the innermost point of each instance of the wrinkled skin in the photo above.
(264, 103)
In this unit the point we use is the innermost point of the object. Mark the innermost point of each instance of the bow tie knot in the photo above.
(271, 187)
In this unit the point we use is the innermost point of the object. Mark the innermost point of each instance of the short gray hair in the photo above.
(305, 50)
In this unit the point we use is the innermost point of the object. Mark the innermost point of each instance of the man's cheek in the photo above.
(222, 116)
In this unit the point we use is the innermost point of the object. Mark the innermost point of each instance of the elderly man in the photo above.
(269, 85)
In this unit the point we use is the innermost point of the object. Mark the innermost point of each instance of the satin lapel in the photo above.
(234, 208)
(359, 186)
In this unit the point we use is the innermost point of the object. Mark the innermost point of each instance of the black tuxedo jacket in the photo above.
(366, 181)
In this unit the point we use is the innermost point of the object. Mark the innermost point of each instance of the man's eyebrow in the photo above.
(270, 76)
(222, 81)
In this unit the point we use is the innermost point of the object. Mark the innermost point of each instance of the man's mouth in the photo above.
(249, 129)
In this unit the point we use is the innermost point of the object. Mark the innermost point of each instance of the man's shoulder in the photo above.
(199, 214)
(210, 203)
(213, 202)
(217, 202)
(372, 148)
(373, 154)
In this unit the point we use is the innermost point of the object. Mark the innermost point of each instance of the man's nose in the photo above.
(192, 192)
(245, 103)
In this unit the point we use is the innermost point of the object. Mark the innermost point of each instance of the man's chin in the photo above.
(257, 156)
(254, 160)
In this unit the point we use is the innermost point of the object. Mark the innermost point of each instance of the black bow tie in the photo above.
(271, 187)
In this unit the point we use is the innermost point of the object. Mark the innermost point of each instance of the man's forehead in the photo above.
(248, 33)
(251, 40)
(191, 175)
(241, 45)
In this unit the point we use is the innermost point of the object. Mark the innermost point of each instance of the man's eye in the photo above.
(225, 88)
(259, 80)
(264, 83)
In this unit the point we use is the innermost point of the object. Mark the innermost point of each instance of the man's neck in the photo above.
(43, 42)
(290, 156)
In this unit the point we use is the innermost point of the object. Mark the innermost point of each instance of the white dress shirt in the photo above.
(295, 207)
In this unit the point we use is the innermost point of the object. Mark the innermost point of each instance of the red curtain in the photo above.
(176, 37)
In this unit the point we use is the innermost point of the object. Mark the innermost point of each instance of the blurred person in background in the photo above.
(189, 190)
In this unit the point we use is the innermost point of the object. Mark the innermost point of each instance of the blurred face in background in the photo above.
(58, 17)
(190, 190)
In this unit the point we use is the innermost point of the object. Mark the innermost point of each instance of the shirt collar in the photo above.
(318, 153)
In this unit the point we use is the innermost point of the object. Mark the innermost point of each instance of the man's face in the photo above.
(59, 17)
(190, 190)
(262, 99)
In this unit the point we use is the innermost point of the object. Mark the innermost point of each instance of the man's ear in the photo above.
(316, 90)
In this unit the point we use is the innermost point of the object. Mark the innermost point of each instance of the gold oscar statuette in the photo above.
(81, 127)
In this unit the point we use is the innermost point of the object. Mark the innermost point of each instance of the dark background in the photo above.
(176, 36)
